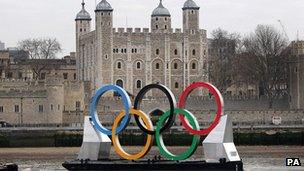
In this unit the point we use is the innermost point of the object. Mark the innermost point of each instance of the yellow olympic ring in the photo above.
(115, 139)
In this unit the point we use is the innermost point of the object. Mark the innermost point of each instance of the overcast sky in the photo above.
(20, 19)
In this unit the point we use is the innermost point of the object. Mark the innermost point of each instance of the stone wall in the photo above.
(39, 102)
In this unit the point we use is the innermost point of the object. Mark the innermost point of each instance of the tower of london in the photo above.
(135, 57)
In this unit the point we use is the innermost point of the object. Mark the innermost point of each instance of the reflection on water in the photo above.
(48, 159)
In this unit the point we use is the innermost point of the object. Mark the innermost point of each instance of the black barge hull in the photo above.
(122, 165)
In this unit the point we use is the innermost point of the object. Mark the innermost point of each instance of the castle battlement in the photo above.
(121, 30)
(130, 30)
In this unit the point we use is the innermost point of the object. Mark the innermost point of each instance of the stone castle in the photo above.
(133, 58)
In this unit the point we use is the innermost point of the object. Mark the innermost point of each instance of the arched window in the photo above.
(157, 66)
(193, 52)
(175, 66)
(165, 26)
(175, 52)
(138, 84)
(176, 85)
(118, 65)
(156, 18)
(119, 83)
(157, 51)
(193, 65)
(156, 26)
(138, 65)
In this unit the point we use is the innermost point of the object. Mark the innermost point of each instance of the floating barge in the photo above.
(151, 165)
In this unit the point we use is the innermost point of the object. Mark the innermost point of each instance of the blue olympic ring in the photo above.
(93, 112)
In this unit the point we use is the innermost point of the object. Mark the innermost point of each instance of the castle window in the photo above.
(138, 84)
(81, 30)
(116, 50)
(42, 76)
(138, 65)
(176, 85)
(40, 108)
(132, 50)
(193, 52)
(175, 66)
(65, 76)
(121, 50)
(52, 107)
(175, 52)
(156, 18)
(109, 23)
(17, 109)
(125, 50)
(75, 76)
(157, 51)
(85, 30)
(109, 13)
(156, 26)
(135, 50)
(192, 12)
(186, 66)
(193, 66)
(157, 66)
(102, 13)
(1, 109)
(167, 66)
(165, 26)
(58, 107)
(120, 83)
(101, 23)
(118, 65)
(106, 56)
(78, 106)
(165, 18)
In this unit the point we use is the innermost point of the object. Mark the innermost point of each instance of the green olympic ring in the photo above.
(159, 139)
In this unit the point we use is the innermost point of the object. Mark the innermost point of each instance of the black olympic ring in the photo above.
(172, 102)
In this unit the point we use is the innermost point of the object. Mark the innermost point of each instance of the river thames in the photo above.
(256, 158)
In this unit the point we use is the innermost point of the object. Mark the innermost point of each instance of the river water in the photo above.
(255, 158)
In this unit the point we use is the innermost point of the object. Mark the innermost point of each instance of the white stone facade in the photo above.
(137, 57)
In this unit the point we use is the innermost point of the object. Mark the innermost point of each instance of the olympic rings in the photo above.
(115, 139)
(165, 122)
(219, 101)
(93, 113)
(172, 102)
(159, 139)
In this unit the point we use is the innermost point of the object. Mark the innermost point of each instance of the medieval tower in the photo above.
(133, 58)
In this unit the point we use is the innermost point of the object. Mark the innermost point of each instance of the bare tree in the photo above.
(265, 62)
(39, 51)
(223, 49)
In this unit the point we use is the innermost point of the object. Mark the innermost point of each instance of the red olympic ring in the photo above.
(219, 101)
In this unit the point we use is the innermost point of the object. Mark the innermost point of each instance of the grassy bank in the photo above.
(75, 139)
